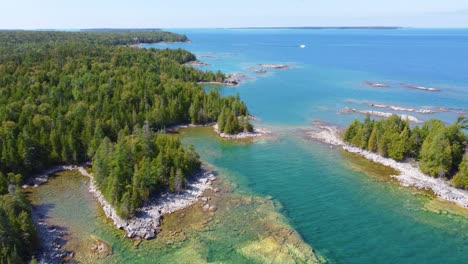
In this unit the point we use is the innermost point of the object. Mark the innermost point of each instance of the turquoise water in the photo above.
(346, 215)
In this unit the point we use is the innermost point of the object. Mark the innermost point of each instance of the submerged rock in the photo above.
(212, 208)
(417, 87)
(378, 85)
(275, 66)
(348, 110)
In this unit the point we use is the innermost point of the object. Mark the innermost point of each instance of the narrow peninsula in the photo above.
(432, 156)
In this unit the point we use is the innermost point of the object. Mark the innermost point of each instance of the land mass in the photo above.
(440, 151)
(145, 224)
(409, 176)
(84, 100)
(315, 28)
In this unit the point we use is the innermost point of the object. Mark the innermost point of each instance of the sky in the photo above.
(64, 14)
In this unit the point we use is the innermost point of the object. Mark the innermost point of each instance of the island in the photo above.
(74, 99)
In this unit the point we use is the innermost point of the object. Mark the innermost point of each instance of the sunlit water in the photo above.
(347, 215)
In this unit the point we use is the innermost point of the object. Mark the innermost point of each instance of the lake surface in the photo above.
(346, 208)
(346, 215)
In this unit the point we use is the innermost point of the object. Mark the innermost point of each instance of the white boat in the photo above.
(302, 46)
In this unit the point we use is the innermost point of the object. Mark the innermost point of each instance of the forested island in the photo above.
(74, 97)
(439, 149)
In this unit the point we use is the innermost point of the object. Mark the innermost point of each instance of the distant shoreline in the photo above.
(315, 28)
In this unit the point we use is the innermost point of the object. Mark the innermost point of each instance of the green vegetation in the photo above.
(438, 148)
(59, 101)
(24, 40)
(129, 171)
(234, 117)
(65, 95)
(461, 178)
(18, 238)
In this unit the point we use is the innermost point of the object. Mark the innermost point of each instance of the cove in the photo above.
(243, 229)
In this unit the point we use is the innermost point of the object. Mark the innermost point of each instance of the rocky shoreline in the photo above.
(178, 127)
(232, 79)
(196, 63)
(409, 174)
(257, 132)
(146, 222)
(41, 178)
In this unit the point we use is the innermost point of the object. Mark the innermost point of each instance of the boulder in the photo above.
(212, 208)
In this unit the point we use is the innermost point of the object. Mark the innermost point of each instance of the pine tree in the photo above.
(461, 178)
(372, 144)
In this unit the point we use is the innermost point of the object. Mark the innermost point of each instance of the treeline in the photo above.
(65, 95)
(140, 164)
(56, 105)
(234, 117)
(18, 238)
(440, 149)
(22, 40)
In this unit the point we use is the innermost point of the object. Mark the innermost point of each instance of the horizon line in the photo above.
(247, 27)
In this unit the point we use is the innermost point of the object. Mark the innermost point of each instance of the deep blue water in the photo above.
(335, 64)
(346, 215)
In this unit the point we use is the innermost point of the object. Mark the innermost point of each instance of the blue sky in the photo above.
(63, 14)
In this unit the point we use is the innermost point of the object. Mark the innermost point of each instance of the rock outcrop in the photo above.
(257, 132)
(348, 110)
(274, 66)
(146, 222)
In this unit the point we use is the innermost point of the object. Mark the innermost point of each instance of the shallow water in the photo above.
(348, 216)
(344, 207)
(244, 228)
